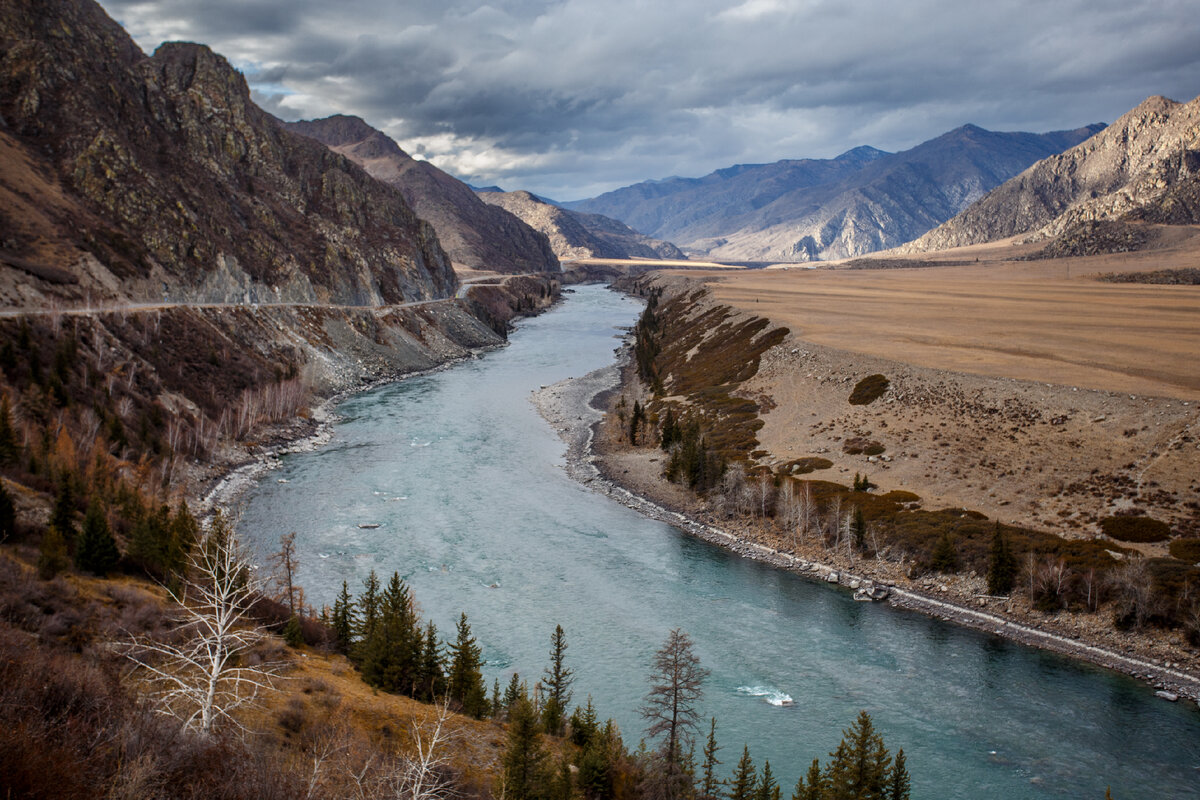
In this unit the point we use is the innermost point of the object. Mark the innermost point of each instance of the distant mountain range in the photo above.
(475, 234)
(1099, 195)
(574, 234)
(818, 209)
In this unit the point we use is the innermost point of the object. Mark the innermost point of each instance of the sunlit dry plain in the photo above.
(1048, 321)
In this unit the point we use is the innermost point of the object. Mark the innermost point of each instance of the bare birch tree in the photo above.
(670, 705)
(200, 674)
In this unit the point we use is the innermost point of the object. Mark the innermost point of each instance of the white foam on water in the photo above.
(771, 695)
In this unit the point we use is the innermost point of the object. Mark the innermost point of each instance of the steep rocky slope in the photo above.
(1144, 168)
(475, 234)
(574, 234)
(862, 201)
(161, 176)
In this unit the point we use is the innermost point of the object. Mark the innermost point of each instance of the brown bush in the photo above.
(869, 389)
(1186, 550)
(1135, 529)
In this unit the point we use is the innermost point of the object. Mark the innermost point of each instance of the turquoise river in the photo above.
(475, 511)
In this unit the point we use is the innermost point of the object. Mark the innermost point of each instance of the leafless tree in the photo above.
(764, 491)
(676, 686)
(201, 675)
(419, 775)
(1134, 591)
(733, 489)
(1092, 588)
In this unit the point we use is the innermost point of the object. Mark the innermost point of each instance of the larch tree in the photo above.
(669, 708)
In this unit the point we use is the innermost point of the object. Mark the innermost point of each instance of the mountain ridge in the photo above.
(1142, 168)
(802, 210)
(575, 234)
(475, 234)
(183, 185)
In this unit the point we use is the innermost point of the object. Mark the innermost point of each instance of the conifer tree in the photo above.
(814, 789)
(584, 725)
(768, 787)
(95, 549)
(433, 672)
(497, 701)
(523, 765)
(557, 681)
(150, 542)
(709, 783)
(368, 618)
(465, 680)
(670, 704)
(898, 783)
(1002, 565)
(9, 449)
(513, 692)
(945, 556)
(62, 516)
(8, 514)
(598, 763)
(861, 764)
(670, 429)
(744, 783)
(860, 529)
(52, 554)
(391, 654)
(343, 620)
(635, 419)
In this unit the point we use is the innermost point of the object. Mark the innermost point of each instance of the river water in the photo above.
(466, 483)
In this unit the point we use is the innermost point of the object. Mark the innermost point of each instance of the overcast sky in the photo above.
(575, 97)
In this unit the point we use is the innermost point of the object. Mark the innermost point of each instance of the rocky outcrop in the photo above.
(475, 234)
(162, 177)
(575, 234)
(1145, 167)
(862, 201)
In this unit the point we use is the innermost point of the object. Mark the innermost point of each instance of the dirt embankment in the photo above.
(1049, 456)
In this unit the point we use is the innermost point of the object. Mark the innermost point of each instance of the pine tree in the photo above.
(945, 556)
(9, 450)
(860, 529)
(584, 725)
(497, 701)
(768, 787)
(557, 681)
(815, 788)
(52, 554)
(514, 692)
(670, 704)
(465, 681)
(8, 514)
(710, 784)
(293, 633)
(523, 765)
(635, 419)
(368, 618)
(150, 541)
(391, 654)
(670, 430)
(343, 620)
(744, 783)
(95, 549)
(861, 764)
(62, 517)
(898, 783)
(1002, 565)
(433, 672)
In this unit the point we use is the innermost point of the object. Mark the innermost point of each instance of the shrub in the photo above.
(1186, 550)
(869, 389)
(1135, 529)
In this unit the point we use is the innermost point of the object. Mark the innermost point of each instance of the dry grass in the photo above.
(1042, 321)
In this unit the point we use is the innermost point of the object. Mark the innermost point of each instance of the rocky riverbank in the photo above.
(574, 408)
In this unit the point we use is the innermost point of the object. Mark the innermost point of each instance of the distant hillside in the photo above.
(475, 234)
(859, 202)
(128, 175)
(574, 234)
(1142, 168)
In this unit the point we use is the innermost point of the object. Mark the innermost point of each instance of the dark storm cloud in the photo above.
(572, 97)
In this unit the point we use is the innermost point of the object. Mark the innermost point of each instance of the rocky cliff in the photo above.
(475, 234)
(862, 201)
(159, 175)
(575, 234)
(1145, 167)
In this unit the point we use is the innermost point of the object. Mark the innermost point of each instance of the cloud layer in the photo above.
(569, 98)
